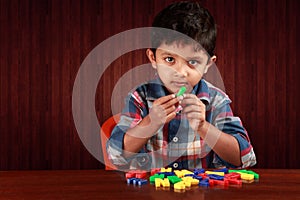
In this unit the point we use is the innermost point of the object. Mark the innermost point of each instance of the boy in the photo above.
(194, 130)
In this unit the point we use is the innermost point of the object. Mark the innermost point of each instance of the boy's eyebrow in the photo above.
(168, 53)
(195, 58)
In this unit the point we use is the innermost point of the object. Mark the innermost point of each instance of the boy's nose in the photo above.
(181, 70)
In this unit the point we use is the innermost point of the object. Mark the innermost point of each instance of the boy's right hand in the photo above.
(164, 109)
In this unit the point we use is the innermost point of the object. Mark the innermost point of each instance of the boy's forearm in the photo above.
(132, 145)
(225, 145)
(136, 137)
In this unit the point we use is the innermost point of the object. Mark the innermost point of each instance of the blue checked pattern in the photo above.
(176, 144)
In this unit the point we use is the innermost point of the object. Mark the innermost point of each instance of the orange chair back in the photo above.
(106, 130)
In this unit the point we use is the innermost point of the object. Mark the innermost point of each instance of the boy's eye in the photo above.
(169, 59)
(193, 62)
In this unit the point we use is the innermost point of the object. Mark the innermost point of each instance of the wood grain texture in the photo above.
(43, 44)
(273, 184)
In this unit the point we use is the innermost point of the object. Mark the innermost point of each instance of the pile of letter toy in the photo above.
(182, 180)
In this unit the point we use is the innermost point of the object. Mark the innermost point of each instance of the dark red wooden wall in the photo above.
(43, 43)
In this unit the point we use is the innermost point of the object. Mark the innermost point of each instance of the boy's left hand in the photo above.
(194, 110)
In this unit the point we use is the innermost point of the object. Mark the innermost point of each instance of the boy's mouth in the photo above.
(179, 83)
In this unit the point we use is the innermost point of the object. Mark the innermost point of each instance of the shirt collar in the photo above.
(201, 90)
(156, 89)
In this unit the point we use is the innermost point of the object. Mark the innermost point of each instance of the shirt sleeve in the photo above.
(225, 121)
(132, 114)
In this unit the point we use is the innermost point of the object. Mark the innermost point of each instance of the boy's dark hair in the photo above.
(189, 18)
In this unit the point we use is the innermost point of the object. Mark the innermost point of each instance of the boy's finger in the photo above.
(188, 95)
(191, 108)
(192, 101)
(165, 99)
(170, 109)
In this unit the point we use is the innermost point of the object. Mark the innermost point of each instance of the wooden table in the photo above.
(100, 184)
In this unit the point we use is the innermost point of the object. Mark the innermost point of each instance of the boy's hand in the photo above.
(163, 109)
(194, 110)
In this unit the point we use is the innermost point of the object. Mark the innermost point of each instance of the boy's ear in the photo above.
(151, 57)
(211, 61)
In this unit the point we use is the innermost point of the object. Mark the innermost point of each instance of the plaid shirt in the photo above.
(175, 144)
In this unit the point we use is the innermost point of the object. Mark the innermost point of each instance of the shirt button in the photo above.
(175, 139)
(175, 165)
(143, 159)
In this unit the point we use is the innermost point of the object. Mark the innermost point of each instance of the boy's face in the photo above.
(179, 65)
